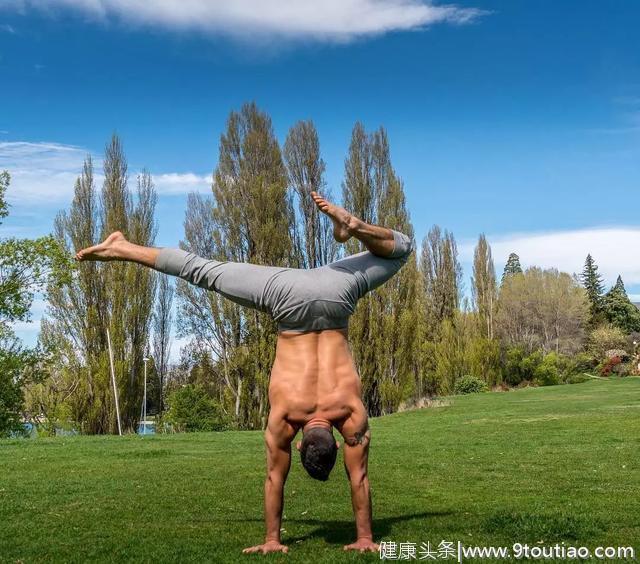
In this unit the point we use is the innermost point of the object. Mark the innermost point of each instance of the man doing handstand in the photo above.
(314, 384)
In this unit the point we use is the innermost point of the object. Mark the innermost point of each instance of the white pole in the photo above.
(113, 380)
(144, 401)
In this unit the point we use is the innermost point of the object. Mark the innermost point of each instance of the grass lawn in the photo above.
(538, 464)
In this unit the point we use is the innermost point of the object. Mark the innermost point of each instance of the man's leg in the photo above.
(388, 250)
(115, 247)
(243, 283)
(379, 240)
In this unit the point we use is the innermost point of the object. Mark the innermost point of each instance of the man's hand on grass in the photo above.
(363, 545)
(266, 548)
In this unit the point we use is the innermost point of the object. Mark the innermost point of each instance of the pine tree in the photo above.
(512, 267)
(619, 309)
(594, 286)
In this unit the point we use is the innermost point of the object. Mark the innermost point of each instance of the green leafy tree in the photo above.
(619, 309)
(17, 367)
(26, 266)
(192, 409)
(512, 266)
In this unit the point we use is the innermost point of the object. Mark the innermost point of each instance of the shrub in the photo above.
(604, 338)
(609, 366)
(547, 373)
(192, 409)
(624, 369)
(577, 378)
(530, 365)
(469, 385)
(583, 362)
(513, 366)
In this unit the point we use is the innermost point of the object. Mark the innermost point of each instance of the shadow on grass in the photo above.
(342, 532)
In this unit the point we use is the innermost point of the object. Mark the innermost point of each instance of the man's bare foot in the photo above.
(109, 249)
(266, 548)
(341, 218)
(363, 545)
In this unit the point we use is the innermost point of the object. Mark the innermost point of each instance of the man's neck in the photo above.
(317, 422)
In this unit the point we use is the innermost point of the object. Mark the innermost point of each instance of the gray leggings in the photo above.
(298, 299)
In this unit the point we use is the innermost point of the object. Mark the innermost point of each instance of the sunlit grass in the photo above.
(535, 465)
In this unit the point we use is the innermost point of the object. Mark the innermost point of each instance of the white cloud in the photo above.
(6, 28)
(45, 173)
(616, 251)
(41, 172)
(176, 183)
(332, 20)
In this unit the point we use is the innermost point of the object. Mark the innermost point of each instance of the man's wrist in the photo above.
(272, 539)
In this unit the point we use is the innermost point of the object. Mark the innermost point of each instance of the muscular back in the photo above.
(314, 377)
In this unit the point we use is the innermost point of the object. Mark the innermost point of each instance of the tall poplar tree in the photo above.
(442, 277)
(162, 325)
(382, 330)
(484, 287)
(250, 220)
(101, 296)
(313, 234)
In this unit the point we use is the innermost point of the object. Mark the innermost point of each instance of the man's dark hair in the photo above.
(318, 452)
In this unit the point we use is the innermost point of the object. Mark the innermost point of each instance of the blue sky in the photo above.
(517, 119)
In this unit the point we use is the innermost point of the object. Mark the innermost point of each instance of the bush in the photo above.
(577, 378)
(583, 362)
(469, 385)
(192, 409)
(513, 366)
(547, 372)
(604, 338)
(609, 366)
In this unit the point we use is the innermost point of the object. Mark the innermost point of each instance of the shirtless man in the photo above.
(314, 383)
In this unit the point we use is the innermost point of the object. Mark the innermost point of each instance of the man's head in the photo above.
(318, 451)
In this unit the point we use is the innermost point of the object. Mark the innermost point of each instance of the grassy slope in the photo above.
(547, 464)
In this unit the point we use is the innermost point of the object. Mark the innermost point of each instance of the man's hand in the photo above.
(266, 548)
(363, 545)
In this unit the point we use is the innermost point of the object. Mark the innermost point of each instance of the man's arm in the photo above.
(278, 437)
(356, 457)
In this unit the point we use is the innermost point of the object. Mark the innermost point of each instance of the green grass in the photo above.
(538, 464)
